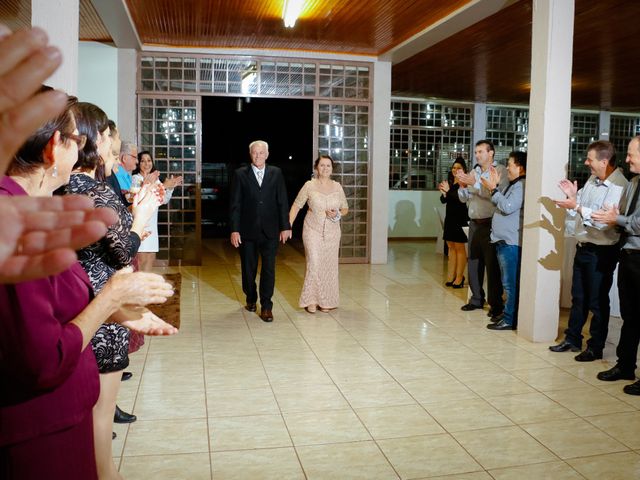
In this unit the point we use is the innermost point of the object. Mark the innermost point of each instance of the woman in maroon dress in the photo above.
(48, 376)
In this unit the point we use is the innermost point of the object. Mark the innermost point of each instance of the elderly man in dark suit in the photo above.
(259, 218)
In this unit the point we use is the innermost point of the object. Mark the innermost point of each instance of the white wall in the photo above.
(411, 214)
(98, 76)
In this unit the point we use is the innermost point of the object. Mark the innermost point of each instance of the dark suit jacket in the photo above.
(256, 209)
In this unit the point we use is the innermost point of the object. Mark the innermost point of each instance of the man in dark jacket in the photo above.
(259, 218)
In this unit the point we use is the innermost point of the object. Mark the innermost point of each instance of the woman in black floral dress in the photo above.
(116, 250)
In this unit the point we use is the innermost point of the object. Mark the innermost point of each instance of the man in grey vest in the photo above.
(481, 251)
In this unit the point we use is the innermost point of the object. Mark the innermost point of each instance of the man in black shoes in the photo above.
(627, 219)
(481, 251)
(596, 253)
(259, 218)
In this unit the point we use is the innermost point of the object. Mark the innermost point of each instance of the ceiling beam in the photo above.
(472, 12)
(117, 19)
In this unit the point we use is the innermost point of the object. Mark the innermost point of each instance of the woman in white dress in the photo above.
(146, 173)
(321, 236)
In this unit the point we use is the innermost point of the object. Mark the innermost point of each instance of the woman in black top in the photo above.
(101, 260)
(456, 217)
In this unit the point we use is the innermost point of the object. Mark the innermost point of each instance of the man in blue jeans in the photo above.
(506, 233)
(596, 252)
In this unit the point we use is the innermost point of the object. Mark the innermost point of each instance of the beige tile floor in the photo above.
(396, 383)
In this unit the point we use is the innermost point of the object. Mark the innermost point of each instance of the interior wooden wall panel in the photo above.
(17, 14)
(488, 61)
(91, 26)
(491, 60)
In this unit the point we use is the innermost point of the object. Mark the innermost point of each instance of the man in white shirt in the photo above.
(596, 253)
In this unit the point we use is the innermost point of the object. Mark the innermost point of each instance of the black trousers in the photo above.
(593, 267)
(482, 254)
(629, 290)
(250, 250)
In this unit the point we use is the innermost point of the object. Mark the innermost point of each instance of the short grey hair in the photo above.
(259, 142)
(128, 148)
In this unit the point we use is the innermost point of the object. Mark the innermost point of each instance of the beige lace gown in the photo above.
(321, 238)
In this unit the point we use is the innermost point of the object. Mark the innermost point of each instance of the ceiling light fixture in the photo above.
(291, 12)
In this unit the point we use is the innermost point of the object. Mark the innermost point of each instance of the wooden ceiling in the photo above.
(488, 61)
(17, 14)
(367, 27)
(491, 60)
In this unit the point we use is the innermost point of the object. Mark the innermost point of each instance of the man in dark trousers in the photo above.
(259, 218)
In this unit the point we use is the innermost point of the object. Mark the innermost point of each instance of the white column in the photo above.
(127, 102)
(549, 128)
(479, 127)
(379, 154)
(61, 20)
(605, 128)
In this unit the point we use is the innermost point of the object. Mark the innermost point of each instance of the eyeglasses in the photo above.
(81, 140)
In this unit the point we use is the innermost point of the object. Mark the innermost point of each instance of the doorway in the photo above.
(229, 125)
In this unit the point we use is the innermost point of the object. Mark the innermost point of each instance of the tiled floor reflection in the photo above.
(396, 383)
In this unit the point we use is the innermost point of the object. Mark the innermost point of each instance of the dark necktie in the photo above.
(632, 206)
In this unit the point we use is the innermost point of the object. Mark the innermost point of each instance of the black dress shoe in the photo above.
(563, 346)
(497, 318)
(615, 373)
(123, 417)
(492, 313)
(126, 376)
(633, 389)
(501, 325)
(113, 435)
(588, 356)
(251, 307)
(470, 306)
(266, 315)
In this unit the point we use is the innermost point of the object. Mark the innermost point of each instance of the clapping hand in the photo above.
(570, 190)
(144, 321)
(26, 61)
(492, 181)
(39, 235)
(466, 179)
(444, 187)
(607, 215)
(146, 201)
(172, 182)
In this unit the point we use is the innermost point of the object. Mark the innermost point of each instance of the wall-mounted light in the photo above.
(291, 12)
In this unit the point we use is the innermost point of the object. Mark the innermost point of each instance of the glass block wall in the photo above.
(425, 139)
(207, 75)
(584, 130)
(507, 128)
(168, 129)
(342, 94)
(343, 133)
(621, 130)
(421, 153)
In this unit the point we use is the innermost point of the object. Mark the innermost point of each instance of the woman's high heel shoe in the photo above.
(458, 285)
(449, 284)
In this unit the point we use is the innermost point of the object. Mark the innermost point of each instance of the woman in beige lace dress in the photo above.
(321, 236)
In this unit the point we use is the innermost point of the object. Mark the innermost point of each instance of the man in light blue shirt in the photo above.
(506, 233)
(596, 252)
(127, 163)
